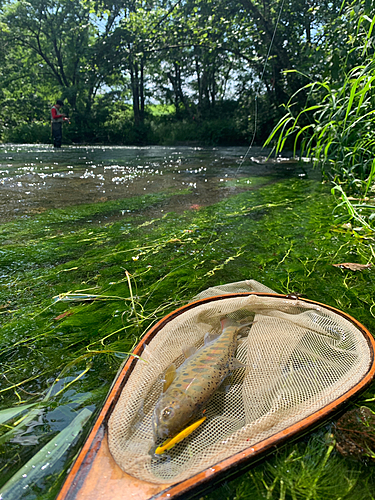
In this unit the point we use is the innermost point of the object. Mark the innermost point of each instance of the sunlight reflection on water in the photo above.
(35, 178)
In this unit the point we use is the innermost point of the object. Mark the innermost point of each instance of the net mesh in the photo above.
(299, 358)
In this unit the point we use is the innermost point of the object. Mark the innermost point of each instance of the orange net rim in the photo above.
(81, 466)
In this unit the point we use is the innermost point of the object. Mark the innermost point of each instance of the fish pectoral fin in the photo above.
(224, 388)
(188, 351)
(236, 364)
(210, 337)
(169, 376)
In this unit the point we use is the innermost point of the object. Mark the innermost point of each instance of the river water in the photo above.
(35, 178)
(44, 342)
(59, 353)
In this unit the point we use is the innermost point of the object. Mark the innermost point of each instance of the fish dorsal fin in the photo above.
(235, 364)
(188, 351)
(211, 336)
(169, 376)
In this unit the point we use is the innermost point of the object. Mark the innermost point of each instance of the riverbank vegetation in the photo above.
(336, 127)
(213, 65)
(197, 72)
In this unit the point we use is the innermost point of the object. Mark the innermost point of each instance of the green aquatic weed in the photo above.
(78, 292)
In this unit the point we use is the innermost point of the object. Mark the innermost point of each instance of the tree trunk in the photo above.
(179, 97)
(134, 80)
(199, 83)
(142, 93)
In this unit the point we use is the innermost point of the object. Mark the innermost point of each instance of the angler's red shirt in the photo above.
(56, 116)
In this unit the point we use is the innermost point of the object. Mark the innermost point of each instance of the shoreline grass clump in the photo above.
(335, 129)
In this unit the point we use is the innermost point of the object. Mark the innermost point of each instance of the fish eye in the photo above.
(168, 412)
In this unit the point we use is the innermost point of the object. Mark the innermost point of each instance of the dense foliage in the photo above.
(205, 61)
(336, 126)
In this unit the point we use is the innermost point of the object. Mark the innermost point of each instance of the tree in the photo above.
(186, 52)
(336, 127)
(62, 40)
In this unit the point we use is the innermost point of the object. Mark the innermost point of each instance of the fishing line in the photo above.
(215, 220)
(257, 93)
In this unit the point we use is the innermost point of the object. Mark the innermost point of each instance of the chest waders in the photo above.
(56, 129)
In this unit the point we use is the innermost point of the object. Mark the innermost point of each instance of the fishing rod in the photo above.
(258, 91)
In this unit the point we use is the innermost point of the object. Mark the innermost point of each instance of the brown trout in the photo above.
(187, 389)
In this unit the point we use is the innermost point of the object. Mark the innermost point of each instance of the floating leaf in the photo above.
(63, 315)
(353, 266)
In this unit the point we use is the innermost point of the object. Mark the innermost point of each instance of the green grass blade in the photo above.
(351, 99)
(41, 463)
(10, 413)
(370, 178)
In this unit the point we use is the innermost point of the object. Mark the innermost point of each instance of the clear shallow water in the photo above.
(35, 178)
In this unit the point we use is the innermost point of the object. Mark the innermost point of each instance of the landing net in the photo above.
(299, 358)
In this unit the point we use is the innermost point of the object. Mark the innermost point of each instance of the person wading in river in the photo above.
(57, 120)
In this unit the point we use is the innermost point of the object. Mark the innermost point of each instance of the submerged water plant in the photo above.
(77, 294)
